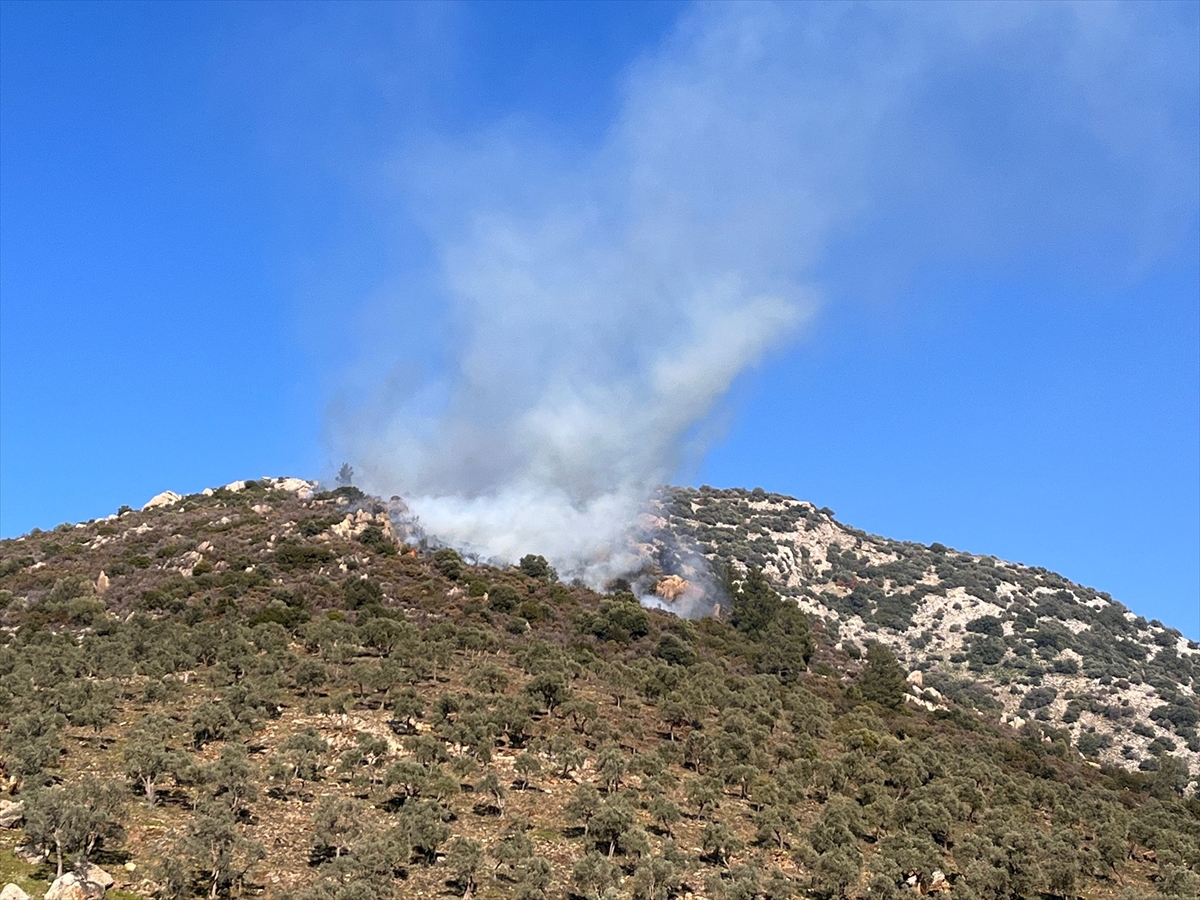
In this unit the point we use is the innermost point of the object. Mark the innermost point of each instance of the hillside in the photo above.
(1017, 642)
(265, 690)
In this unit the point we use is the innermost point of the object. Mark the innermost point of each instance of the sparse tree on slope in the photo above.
(72, 819)
(882, 680)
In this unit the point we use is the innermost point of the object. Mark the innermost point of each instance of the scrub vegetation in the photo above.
(1017, 640)
(270, 694)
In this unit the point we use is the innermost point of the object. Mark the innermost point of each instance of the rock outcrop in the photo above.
(298, 486)
(1020, 644)
(356, 523)
(166, 498)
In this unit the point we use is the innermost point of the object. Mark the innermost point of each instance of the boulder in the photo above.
(31, 855)
(12, 892)
(916, 679)
(11, 813)
(166, 498)
(356, 523)
(96, 875)
(189, 561)
(71, 887)
(298, 486)
(234, 486)
(89, 883)
(67, 887)
(101, 582)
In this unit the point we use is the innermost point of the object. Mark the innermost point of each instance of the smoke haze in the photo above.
(603, 300)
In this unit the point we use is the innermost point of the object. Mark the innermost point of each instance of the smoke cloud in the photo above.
(602, 300)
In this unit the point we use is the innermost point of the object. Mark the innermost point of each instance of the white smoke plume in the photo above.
(603, 300)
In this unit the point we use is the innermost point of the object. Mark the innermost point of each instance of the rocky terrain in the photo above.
(270, 689)
(1015, 642)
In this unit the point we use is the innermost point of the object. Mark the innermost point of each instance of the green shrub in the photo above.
(620, 619)
(311, 527)
(1160, 745)
(1179, 714)
(503, 598)
(988, 625)
(673, 650)
(985, 650)
(291, 556)
(1090, 743)
(449, 564)
(376, 541)
(1039, 697)
(538, 568)
(359, 592)
(532, 611)
(15, 564)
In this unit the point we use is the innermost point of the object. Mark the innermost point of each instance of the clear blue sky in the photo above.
(200, 203)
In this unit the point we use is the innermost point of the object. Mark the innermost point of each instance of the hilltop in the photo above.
(268, 689)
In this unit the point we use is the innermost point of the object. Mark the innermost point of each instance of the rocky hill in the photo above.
(271, 690)
(1015, 642)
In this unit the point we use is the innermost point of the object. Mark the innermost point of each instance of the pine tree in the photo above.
(755, 604)
(882, 680)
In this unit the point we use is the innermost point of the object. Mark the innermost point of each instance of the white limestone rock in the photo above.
(89, 883)
(96, 875)
(11, 813)
(298, 486)
(29, 854)
(166, 498)
(70, 886)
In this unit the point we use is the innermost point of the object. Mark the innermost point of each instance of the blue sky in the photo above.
(222, 226)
